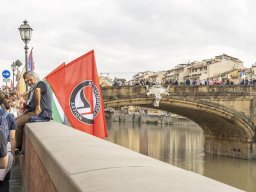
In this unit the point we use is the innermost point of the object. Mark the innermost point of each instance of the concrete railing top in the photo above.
(76, 161)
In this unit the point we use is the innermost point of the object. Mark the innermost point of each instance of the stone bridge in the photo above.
(226, 114)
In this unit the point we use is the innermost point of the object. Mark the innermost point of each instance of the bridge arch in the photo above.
(227, 131)
(216, 122)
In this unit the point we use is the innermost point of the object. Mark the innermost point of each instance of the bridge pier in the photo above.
(235, 149)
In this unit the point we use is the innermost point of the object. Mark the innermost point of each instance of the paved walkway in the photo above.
(16, 180)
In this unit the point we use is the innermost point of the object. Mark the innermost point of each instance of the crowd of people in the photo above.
(33, 106)
(188, 82)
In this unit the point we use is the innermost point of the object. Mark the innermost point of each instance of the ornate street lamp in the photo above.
(18, 63)
(13, 70)
(25, 34)
(15, 65)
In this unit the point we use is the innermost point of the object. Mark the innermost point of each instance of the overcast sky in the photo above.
(128, 36)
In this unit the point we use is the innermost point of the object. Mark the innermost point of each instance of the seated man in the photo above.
(6, 160)
(38, 105)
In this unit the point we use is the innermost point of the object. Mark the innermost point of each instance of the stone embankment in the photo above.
(150, 119)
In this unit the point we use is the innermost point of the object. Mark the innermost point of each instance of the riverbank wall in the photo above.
(148, 119)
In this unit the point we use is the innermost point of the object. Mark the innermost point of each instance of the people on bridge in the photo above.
(253, 81)
(187, 82)
(222, 81)
(38, 105)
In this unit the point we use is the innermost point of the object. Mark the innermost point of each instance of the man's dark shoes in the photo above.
(19, 151)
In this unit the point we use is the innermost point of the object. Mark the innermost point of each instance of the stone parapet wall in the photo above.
(59, 158)
(182, 90)
(36, 178)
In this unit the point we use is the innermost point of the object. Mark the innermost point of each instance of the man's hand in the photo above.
(38, 109)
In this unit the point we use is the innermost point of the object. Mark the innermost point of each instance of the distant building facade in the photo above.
(177, 73)
(149, 76)
(105, 81)
(219, 68)
(212, 68)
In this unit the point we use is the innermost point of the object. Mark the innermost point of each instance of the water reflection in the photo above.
(236, 172)
(178, 145)
(183, 146)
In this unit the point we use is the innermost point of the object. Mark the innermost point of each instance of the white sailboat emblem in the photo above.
(82, 105)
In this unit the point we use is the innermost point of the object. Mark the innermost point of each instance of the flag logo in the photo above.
(84, 102)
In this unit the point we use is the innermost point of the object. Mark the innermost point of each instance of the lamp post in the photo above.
(25, 34)
(13, 70)
(15, 66)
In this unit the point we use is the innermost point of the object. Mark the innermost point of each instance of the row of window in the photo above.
(201, 69)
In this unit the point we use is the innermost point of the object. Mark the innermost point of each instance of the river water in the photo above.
(182, 145)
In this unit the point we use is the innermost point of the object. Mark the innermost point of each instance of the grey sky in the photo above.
(128, 36)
